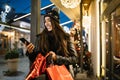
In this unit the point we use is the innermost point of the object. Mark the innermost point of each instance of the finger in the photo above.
(30, 48)
(30, 45)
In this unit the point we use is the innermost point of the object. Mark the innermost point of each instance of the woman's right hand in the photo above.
(30, 48)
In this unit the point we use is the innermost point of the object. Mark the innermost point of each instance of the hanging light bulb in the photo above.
(70, 3)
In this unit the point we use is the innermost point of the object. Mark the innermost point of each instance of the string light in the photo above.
(70, 3)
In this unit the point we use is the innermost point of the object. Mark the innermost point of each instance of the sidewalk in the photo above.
(23, 69)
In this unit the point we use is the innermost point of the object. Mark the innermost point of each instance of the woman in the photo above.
(55, 41)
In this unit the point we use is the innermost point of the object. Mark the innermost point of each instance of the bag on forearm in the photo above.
(37, 68)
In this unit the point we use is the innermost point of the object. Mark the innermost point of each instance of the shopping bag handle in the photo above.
(47, 55)
(52, 61)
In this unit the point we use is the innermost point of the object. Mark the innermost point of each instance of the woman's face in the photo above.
(48, 23)
(73, 31)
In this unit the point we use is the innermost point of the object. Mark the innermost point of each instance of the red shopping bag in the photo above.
(56, 72)
(37, 68)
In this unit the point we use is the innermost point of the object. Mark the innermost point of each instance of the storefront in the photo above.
(112, 41)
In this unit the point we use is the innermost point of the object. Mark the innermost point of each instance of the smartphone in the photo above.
(24, 41)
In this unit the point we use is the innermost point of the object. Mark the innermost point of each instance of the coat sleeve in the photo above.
(71, 59)
(35, 52)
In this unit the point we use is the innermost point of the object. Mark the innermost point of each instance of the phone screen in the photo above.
(24, 41)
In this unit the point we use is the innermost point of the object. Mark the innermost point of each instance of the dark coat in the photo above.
(72, 58)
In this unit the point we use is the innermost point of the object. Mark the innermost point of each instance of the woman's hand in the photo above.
(53, 55)
(30, 48)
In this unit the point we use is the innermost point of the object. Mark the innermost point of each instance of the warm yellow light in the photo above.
(70, 3)
(98, 39)
(104, 34)
(103, 49)
(85, 4)
(86, 22)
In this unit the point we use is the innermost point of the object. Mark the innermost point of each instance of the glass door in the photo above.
(115, 24)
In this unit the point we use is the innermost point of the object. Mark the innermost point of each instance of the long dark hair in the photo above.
(61, 38)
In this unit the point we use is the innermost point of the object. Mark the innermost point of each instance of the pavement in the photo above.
(23, 69)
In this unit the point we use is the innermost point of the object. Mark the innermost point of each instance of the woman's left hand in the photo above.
(53, 55)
